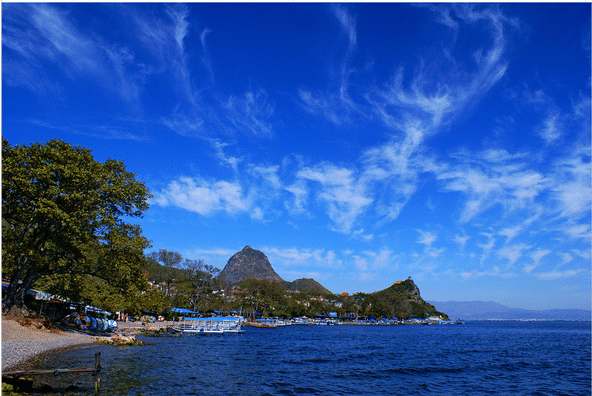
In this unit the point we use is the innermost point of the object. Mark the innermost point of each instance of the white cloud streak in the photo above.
(426, 238)
(299, 191)
(204, 197)
(536, 257)
(251, 113)
(207, 61)
(303, 257)
(513, 253)
(343, 195)
(556, 275)
(337, 105)
(44, 34)
(493, 177)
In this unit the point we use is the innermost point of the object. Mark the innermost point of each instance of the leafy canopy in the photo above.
(63, 213)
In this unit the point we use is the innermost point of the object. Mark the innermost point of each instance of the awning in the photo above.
(217, 319)
(184, 311)
(91, 309)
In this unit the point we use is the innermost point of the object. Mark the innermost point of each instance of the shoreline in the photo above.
(22, 343)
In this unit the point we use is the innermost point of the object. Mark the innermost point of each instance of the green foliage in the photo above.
(401, 300)
(154, 301)
(199, 282)
(261, 295)
(306, 285)
(164, 269)
(183, 284)
(62, 214)
(85, 289)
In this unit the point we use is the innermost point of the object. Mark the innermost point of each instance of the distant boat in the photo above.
(265, 323)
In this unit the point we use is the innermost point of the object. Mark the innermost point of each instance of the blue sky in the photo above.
(356, 144)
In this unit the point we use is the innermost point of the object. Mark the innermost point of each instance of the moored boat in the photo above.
(213, 325)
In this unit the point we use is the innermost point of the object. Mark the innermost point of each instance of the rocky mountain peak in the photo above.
(249, 263)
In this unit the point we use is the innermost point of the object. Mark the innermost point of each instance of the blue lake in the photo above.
(477, 358)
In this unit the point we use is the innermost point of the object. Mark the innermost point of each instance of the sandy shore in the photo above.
(20, 343)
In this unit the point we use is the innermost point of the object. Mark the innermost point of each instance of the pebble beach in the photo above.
(21, 343)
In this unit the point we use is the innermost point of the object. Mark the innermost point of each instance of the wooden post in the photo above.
(97, 373)
(15, 377)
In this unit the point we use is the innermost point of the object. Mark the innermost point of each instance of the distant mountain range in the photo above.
(484, 310)
(254, 264)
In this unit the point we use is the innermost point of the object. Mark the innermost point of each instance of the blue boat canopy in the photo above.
(95, 310)
(217, 319)
(184, 311)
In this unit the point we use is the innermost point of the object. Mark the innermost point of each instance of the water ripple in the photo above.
(479, 358)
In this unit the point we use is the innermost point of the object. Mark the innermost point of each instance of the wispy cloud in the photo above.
(340, 191)
(348, 24)
(45, 34)
(268, 174)
(201, 110)
(431, 100)
(419, 109)
(392, 170)
(297, 203)
(426, 238)
(108, 132)
(494, 272)
(572, 185)
(536, 257)
(303, 257)
(511, 232)
(486, 247)
(379, 260)
(493, 177)
(336, 104)
(164, 37)
(63, 40)
(251, 113)
(204, 197)
(513, 253)
(185, 124)
(461, 240)
(207, 61)
(180, 28)
(227, 160)
(550, 130)
(556, 275)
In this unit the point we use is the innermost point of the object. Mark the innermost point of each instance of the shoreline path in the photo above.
(20, 343)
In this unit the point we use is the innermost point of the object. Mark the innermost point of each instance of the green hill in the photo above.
(306, 285)
(403, 300)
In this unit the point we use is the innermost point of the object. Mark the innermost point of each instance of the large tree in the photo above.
(261, 295)
(167, 271)
(63, 213)
(200, 282)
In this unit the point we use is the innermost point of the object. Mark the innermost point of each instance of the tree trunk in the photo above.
(15, 295)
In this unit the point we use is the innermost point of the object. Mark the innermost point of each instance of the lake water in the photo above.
(477, 358)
